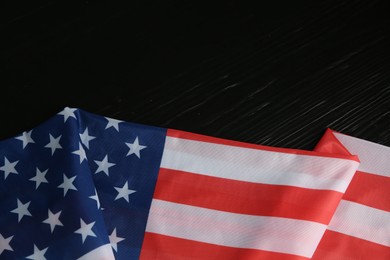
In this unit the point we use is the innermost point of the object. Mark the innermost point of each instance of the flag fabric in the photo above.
(217, 199)
(77, 186)
(85, 186)
(360, 228)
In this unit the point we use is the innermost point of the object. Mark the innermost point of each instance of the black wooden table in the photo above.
(275, 73)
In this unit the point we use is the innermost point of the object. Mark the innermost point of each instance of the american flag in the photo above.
(85, 186)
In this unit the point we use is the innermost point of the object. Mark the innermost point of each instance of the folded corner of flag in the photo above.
(86, 186)
(330, 144)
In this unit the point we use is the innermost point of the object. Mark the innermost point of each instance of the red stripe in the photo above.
(370, 190)
(245, 197)
(330, 144)
(335, 245)
(209, 139)
(162, 247)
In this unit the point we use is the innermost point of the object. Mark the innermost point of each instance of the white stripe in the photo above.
(100, 253)
(362, 222)
(274, 234)
(374, 158)
(258, 166)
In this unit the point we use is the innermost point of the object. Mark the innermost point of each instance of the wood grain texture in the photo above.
(273, 73)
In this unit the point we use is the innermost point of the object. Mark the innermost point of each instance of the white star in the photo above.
(22, 210)
(39, 178)
(114, 240)
(4, 243)
(8, 167)
(85, 138)
(53, 220)
(96, 197)
(54, 143)
(124, 192)
(68, 112)
(104, 165)
(67, 184)
(85, 230)
(113, 123)
(81, 152)
(38, 254)
(26, 138)
(135, 148)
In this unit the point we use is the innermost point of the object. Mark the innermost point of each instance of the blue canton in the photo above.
(75, 183)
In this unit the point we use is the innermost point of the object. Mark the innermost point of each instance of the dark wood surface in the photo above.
(275, 73)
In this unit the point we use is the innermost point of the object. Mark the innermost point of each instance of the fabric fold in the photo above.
(360, 228)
